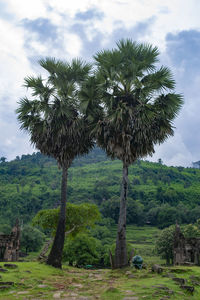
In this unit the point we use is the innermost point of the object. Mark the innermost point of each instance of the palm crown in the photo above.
(138, 100)
(52, 116)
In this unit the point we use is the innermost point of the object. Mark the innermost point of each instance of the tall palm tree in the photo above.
(56, 127)
(139, 105)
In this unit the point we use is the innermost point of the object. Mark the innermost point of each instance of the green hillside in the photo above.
(158, 195)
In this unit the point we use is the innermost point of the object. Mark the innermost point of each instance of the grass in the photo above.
(33, 280)
(143, 240)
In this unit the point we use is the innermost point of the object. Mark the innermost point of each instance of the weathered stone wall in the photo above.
(186, 250)
(10, 244)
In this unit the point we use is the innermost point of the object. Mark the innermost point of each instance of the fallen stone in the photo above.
(4, 287)
(131, 298)
(23, 293)
(157, 269)
(6, 283)
(180, 281)
(131, 293)
(128, 273)
(188, 288)
(42, 285)
(77, 285)
(195, 282)
(10, 266)
(195, 278)
(57, 295)
(3, 270)
(131, 276)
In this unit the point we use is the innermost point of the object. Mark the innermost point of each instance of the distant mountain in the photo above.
(158, 194)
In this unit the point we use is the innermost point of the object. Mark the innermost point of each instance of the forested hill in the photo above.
(158, 195)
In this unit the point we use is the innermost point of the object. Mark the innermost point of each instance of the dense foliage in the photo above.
(31, 239)
(158, 194)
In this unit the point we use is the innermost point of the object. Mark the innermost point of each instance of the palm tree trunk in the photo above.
(55, 256)
(121, 259)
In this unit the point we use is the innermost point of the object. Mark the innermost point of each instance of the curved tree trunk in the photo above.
(121, 259)
(55, 256)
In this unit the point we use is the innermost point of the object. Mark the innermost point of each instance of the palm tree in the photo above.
(138, 105)
(56, 126)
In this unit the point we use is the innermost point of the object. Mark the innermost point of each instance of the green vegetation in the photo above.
(31, 239)
(157, 194)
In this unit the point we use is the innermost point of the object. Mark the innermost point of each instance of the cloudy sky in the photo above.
(65, 29)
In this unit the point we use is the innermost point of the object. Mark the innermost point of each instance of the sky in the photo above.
(30, 30)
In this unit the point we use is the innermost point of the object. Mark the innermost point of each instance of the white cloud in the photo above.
(19, 43)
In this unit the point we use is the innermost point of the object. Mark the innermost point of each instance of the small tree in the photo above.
(78, 218)
(164, 244)
(31, 239)
(82, 250)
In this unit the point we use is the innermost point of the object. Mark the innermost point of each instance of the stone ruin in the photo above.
(186, 250)
(9, 244)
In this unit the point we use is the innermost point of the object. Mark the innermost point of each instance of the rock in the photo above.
(132, 276)
(3, 270)
(42, 285)
(23, 293)
(56, 295)
(128, 273)
(131, 293)
(156, 268)
(188, 288)
(10, 266)
(196, 278)
(77, 285)
(4, 287)
(180, 281)
(195, 282)
(6, 283)
(131, 298)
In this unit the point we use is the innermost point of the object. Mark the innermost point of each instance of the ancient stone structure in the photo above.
(186, 250)
(9, 244)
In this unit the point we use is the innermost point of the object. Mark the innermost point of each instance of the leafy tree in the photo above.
(78, 218)
(81, 250)
(31, 239)
(167, 216)
(164, 244)
(55, 125)
(191, 231)
(139, 107)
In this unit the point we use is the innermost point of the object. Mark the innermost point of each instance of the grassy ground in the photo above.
(33, 280)
(143, 240)
(38, 281)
